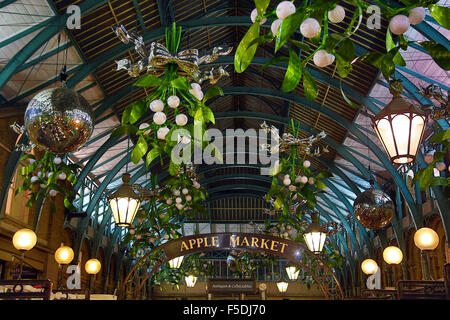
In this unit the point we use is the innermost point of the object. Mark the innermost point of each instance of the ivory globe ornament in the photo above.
(285, 9)
(64, 255)
(441, 166)
(188, 198)
(373, 208)
(34, 179)
(287, 182)
(416, 15)
(311, 180)
(169, 201)
(162, 133)
(306, 163)
(310, 28)
(196, 91)
(254, 14)
(322, 58)
(57, 160)
(304, 179)
(399, 24)
(58, 120)
(157, 105)
(275, 26)
(176, 192)
(392, 255)
(173, 102)
(336, 15)
(429, 157)
(181, 119)
(53, 193)
(159, 118)
(369, 266)
(185, 191)
(144, 126)
(62, 176)
(426, 239)
(179, 206)
(24, 239)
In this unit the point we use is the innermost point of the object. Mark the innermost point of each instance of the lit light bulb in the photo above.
(369, 266)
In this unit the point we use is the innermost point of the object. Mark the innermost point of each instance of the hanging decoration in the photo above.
(373, 208)
(312, 19)
(436, 112)
(175, 78)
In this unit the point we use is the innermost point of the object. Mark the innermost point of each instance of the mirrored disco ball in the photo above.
(59, 120)
(373, 208)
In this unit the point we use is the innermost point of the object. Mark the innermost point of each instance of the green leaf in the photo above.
(320, 185)
(343, 67)
(387, 66)
(245, 53)
(425, 176)
(287, 28)
(349, 102)
(403, 42)
(441, 15)
(324, 174)
(440, 136)
(309, 86)
(293, 73)
(124, 129)
(174, 168)
(126, 115)
(152, 155)
(261, 6)
(212, 92)
(138, 109)
(139, 150)
(208, 115)
(347, 50)
(148, 80)
(438, 52)
(301, 45)
(181, 83)
(373, 58)
(398, 60)
(389, 41)
(274, 61)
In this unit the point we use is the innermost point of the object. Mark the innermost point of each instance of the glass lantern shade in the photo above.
(92, 266)
(400, 126)
(392, 255)
(190, 281)
(315, 235)
(175, 263)
(124, 203)
(426, 239)
(369, 266)
(292, 272)
(64, 255)
(282, 286)
(24, 239)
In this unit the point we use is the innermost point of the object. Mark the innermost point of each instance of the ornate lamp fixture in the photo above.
(392, 255)
(426, 240)
(175, 263)
(315, 235)
(190, 281)
(369, 266)
(63, 256)
(292, 272)
(92, 267)
(282, 286)
(24, 240)
(400, 127)
(124, 203)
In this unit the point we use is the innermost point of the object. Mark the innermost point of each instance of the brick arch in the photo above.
(437, 256)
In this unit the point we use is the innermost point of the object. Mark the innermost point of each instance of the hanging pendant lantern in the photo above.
(292, 272)
(175, 263)
(400, 126)
(124, 203)
(315, 235)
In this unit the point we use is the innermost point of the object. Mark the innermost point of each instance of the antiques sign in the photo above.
(224, 286)
(238, 241)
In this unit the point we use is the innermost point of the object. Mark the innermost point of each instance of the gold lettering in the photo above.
(192, 242)
(206, 242)
(183, 246)
(282, 247)
(215, 239)
(199, 242)
(234, 241)
(264, 244)
(255, 242)
(246, 241)
(272, 247)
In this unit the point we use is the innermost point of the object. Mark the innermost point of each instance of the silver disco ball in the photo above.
(58, 120)
(373, 208)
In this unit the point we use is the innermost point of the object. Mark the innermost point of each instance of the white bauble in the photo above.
(132, 231)
(53, 193)
(49, 174)
(336, 15)
(440, 166)
(157, 105)
(43, 186)
(322, 58)
(254, 14)
(184, 140)
(62, 176)
(399, 24)
(304, 179)
(31, 161)
(169, 201)
(196, 91)
(285, 9)
(144, 126)
(179, 206)
(416, 15)
(181, 119)
(159, 118)
(298, 179)
(173, 101)
(287, 182)
(311, 180)
(196, 185)
(292, 188)
(166, 237)
(307, 164)
(162, 133)
(274, 26)
(429, 158)
(436, 172)
(310, 28)
(176, 192)
(286, 176)
(185, 191)
(57, 160)
(34, 179)
(188, 197)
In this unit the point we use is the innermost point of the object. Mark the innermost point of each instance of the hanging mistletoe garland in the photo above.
(46, 177)
(175, 95)
(312, 20)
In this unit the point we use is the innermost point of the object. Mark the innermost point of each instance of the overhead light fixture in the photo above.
(282, 286)
(63, 256)
(175, 263)
(392, 255)
(369, 266)
(315, 235)
(190, 281)
(426, 240)
(124, 203)
(24, 240)
(292, 272)
(400, 126)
